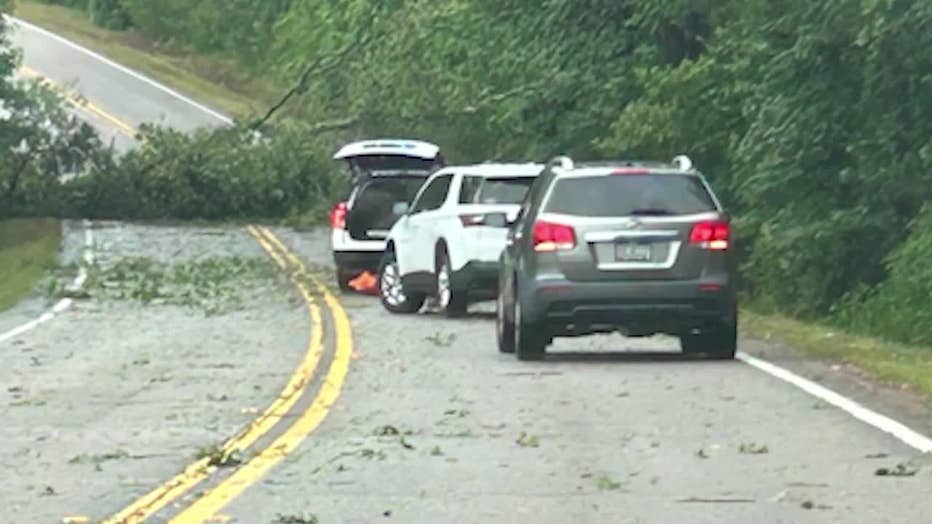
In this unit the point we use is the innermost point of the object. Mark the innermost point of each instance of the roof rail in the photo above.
(564, 162)
(683, 163)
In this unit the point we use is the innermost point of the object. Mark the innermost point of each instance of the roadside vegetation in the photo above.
(813, 120)
(28, 251)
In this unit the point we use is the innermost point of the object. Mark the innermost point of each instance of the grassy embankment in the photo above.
(220, 83)
(28, 251)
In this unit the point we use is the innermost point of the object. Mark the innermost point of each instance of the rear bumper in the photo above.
(655, 306)
(355, 255)
(358, 261)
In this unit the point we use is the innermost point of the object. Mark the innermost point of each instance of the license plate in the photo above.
(633, 252)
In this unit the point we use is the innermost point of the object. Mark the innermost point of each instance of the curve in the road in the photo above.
(64, 304)
(854, 409)
(79, 102)
(123, 69)
(159, 498)
(247, 475)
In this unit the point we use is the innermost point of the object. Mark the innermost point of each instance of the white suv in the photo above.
(383, 173)
(448, 242)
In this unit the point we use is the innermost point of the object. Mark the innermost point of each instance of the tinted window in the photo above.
(434, 195)
(469, 189)
(622, 195)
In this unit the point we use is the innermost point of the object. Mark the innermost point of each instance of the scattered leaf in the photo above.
(98, 459)
(528, 441)
(303, 518)
(219, 457)
(441, 340)
(753, 449)
(608, 484)
(387, 431)
(404, 443)
(900, 470)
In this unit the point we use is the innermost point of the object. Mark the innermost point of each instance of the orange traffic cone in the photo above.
(365, 283)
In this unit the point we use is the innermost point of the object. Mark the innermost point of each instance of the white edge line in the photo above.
(881, 422)
(138, 76)
(64, 304)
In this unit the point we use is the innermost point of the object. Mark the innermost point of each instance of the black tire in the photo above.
(456, 302)
(718, 343)
(530, 339)
(396, 299)
(504, 326)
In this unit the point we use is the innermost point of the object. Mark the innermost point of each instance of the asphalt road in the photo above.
(113, 398)
(120, 92)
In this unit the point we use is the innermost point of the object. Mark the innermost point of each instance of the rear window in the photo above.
(625, 195)
(383, 193)
(479, 190)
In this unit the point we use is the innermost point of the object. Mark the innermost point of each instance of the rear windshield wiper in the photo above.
(650, 211)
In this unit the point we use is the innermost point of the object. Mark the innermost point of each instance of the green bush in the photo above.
(109, 14)
(899, 308)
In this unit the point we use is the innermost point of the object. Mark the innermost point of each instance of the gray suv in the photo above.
(637, 247)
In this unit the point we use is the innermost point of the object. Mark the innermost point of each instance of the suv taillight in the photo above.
(553, 237)
(338, 216)
(713, 235)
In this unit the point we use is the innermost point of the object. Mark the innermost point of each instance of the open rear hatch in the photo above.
(384, 172)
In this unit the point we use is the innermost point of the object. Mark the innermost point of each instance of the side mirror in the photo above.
(496, 220)
(400, 208)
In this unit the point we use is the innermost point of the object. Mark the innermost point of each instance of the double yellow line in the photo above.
(80, 102)
(215, 499)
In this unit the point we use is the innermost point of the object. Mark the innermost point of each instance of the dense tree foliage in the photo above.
(41, 143)
(813, 119)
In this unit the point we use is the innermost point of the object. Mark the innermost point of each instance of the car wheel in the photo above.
(530, 341)
(452, 302)
(719, 343)
(391, 290)
(504, 326)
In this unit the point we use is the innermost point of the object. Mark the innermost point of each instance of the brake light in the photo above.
(553, 237)
(338, 216)
(713, 235)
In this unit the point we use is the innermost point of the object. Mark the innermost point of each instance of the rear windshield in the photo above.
(372, 206)
(480, 190)
(385, 192)
(625, 195)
